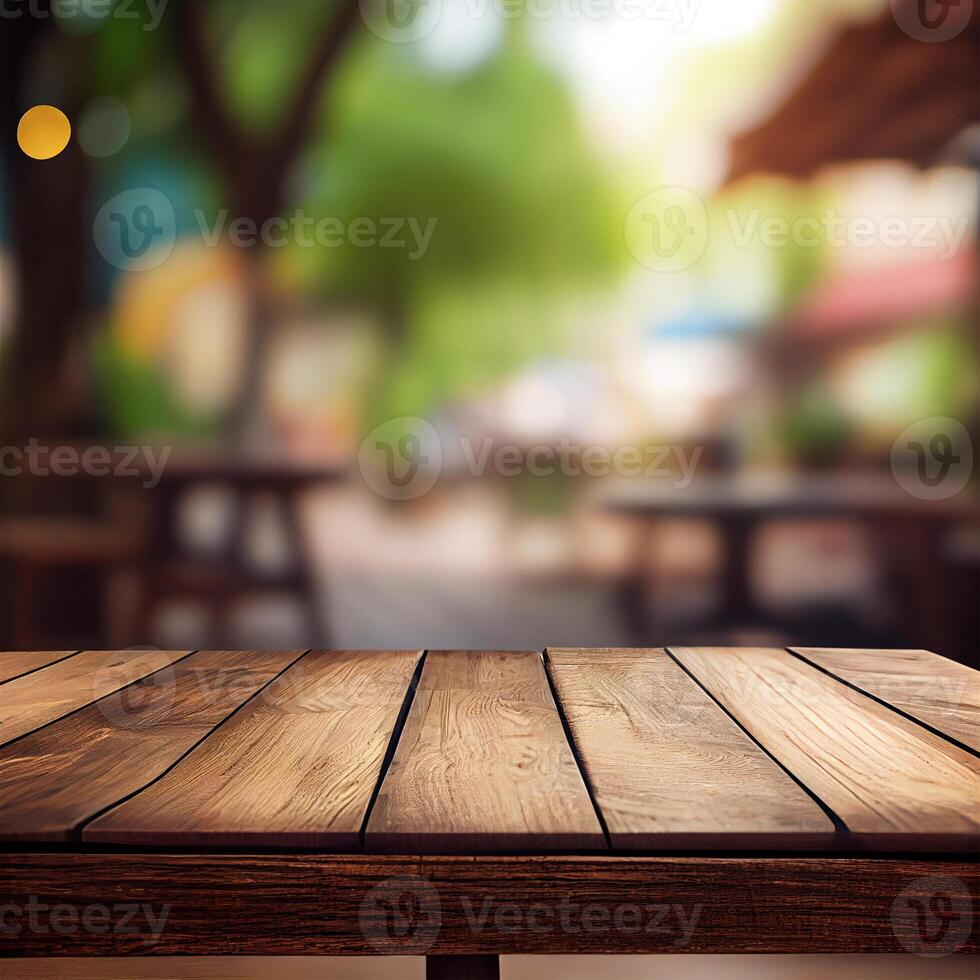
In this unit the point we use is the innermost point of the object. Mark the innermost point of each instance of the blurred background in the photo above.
(486, 324)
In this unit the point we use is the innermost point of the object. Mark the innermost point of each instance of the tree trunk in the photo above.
(43, 394)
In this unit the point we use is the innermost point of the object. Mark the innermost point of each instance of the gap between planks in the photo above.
(893, 782)
(794, 651)
(314, 712)
(30, 670)
(95, 700)
(78, 830)
(832, 815)
(409, 697)
(573, 746)
(449, 681)
(396, 734)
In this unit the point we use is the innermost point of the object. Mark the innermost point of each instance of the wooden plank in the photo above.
(893, 783)
(296, 767)
(57, 777)
(937, 691)
(483, 765)
(668, 767)
(41, 697)
(14, 664)
(356, 905)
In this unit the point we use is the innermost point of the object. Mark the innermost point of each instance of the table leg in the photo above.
(921, 579)
(161, 532)
(311, 593)
(632, 590)
(462, 968)
(738, 605)
(28, 577)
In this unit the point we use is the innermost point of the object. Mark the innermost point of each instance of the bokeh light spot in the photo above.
(43, 132)
(104, 127)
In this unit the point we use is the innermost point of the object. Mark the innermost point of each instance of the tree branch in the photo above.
(257, 170)
(294, 132)
(217, 127)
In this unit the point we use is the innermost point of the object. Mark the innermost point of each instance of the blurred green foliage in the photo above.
(138, 398)
(525, 214)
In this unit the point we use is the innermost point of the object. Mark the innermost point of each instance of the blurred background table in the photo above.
(134, 534)
(911, 535)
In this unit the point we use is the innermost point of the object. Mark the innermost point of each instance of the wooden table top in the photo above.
(773, 494)
(587, 752)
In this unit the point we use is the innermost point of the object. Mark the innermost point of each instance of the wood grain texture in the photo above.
(296, 767)
(45, 695)
(483, 764)
(668, 767)
(290, 904)
(57, 777)
(933, 689)
(14, 664)
(892, 782)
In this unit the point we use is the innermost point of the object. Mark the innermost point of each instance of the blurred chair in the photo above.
(36, 547)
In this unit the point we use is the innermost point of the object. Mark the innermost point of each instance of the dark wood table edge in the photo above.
(274, 904)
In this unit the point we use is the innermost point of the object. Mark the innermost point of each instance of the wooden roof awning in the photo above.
(876, 93)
